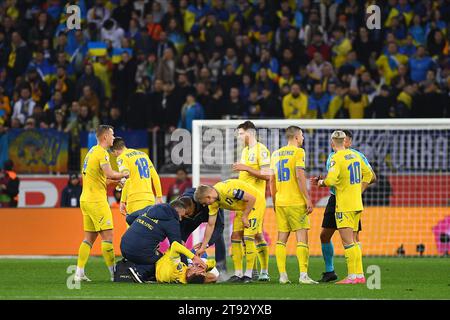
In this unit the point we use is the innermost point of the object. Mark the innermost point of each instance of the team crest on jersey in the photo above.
(119, 162)
(332, 163)
(264, 154)
(251, 157)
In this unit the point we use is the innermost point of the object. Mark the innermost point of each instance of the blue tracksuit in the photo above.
(149, 227)
(188, 225)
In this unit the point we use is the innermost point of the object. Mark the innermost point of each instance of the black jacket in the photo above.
(71, 192)
(188, 225)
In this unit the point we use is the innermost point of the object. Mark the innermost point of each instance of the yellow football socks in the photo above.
(302, 257)
(250, 255)
(236, 255)
(83, 254)
(359, 264)
(263, 256)
(351, 254)
(108, 255)
(280, 254)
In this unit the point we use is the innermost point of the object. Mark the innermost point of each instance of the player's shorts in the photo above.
(134, 206)
(97, 216)
(292, 218)
(329, 218)
(348, 219)
(254, 218)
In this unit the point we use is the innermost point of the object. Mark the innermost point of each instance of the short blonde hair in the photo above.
(338, 137)
(201, 192)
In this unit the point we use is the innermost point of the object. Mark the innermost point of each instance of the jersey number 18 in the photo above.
(142, 165)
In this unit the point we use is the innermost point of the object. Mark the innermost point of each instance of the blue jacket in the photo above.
(320, 104)
(419, 68)
(194, 112)
(149, 227)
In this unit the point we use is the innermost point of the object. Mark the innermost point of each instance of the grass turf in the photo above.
(401, 278)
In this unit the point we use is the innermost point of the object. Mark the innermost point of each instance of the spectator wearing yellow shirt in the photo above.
(337, 102)
(388, 63)
(355, 103)
(295, 104)
(342, 46)
(5, 106)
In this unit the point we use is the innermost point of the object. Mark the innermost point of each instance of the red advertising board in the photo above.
(44, 191)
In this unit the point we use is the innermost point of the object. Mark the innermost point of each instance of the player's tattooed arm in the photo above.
(260, 174)
(273, 188)
(301, 181)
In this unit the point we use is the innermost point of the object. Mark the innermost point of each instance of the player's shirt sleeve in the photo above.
(333, 172)
(122, 163)
(272, 163)
(213, 209)
(329, 160)
(366, 172)
(363, 158)
(177, 248)
(300, 158)
(263, 156)
(155, 179)
(103, 158)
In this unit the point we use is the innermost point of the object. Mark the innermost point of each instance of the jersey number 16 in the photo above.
(283, 173)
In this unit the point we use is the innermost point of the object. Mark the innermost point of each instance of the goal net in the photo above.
(406, 212)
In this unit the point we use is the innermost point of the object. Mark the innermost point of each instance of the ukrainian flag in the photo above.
(96, 49)
(117, 54)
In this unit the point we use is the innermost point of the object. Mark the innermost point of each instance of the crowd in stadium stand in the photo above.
(159, 64)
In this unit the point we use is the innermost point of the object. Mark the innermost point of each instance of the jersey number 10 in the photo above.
(144, 171)
(355, 172)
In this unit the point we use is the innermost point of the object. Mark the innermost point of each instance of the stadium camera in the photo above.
(445, 239)
(420, 249)
(401, 251)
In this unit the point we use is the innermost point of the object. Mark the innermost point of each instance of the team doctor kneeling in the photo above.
(140, 244)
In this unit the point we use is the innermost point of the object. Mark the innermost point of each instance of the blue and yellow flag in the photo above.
(96, 49)
(117, 54)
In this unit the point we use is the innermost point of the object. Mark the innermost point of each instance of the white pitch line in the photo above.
(168, 298)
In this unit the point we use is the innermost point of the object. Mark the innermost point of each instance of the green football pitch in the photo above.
(400, 278)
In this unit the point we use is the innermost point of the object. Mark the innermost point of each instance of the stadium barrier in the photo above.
(58, 231)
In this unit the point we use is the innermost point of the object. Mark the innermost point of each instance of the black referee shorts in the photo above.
(329, 219)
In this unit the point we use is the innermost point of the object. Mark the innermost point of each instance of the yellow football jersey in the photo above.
(284, 163)
(231, 193)
(346, 173)
(170, 269)
(142, 174)
(255, 157)
(94, 179)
